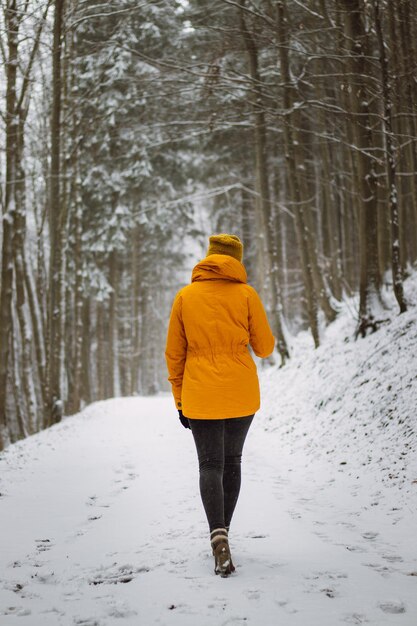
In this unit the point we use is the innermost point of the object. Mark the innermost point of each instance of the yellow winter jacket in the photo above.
(213, 319)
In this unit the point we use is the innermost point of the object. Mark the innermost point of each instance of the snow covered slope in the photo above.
(101, 521)
(352, 402)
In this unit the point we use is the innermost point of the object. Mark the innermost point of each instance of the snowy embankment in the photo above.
(352, 402)
(101, 520)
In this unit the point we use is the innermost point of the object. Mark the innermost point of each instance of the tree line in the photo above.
(133, 130)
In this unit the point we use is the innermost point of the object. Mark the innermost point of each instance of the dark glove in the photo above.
(184, 420)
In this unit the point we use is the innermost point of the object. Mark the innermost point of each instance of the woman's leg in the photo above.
(209, 440)
(235, 431)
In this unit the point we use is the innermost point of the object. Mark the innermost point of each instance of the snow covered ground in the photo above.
(101, 521)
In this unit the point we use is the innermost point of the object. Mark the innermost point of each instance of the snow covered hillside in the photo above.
(101, 520)
(352, 402)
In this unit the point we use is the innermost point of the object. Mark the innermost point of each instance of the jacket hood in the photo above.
(219, 266)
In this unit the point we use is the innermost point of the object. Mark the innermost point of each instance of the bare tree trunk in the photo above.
(262, 183)
(390, 159)
(41, 289)
(308, 191)
(56, 226)
(144, 338)
(75, 399)
(17, 386)
(369, 289)
(135, 341)
(113, 361)
(21, 301)
(350, 194)
(332, 248)
(293, 178)
(101, 353)
(408, 83)
(12, 26)
(87, 390)
(73, 204)
(38, 335)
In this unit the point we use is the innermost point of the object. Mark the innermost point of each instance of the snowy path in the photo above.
(101, 524)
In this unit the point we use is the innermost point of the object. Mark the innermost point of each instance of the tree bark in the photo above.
(17, 386)
(101, 353)
(293, 178)
(135, 341)
(113, 359)
(38, 334)
(407, 73)
(369, 288)
(56, 227)
(28, 386)
(390, 163)
(87, 390)
(262, 183)
(12, 27)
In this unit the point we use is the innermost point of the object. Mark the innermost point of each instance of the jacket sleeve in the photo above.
(176, 349)
(260, 334)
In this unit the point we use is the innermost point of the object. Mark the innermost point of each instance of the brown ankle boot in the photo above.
(223, 563)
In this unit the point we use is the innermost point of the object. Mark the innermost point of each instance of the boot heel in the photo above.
(223, 564)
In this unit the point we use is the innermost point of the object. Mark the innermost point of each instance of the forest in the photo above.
(132, 130)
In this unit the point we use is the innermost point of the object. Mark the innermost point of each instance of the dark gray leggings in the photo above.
(219, 445)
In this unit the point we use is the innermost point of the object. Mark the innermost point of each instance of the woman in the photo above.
(214, 378)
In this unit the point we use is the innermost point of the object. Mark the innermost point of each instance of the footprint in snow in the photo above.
(71, 595)
(329, 592)
(355, 618)
(115, 574)
(392, 607)
(181, 608)
(120, 609)
(19, 589)
(352, 548)
(93, 501)
(381, 569)
(46, 578)
(304, 500)
(53, 610)
(347, 525)
(126, 476)
(284, 604)
(20, 611)
(42, 545)
(319, 578)
(392, 558)
(370, 535)
(320, 534)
